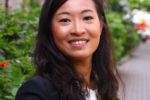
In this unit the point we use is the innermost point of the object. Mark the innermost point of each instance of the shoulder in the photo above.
(36, 88)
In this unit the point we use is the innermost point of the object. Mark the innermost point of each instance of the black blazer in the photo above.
(37, 88)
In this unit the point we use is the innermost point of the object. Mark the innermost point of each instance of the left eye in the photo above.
(88, 18)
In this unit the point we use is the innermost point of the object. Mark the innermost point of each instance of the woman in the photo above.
(73, 54)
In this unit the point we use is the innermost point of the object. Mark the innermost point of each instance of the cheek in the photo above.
(96, 41)
(96, 30)
(59, 33)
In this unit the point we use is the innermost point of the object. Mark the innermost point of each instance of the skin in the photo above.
(76, 31)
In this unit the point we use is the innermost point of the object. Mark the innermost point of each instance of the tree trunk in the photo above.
(6, 6)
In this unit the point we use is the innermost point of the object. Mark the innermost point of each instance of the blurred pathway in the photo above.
(135, 73)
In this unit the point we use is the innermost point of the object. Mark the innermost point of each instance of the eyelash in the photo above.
(65, 20)
(87, 18)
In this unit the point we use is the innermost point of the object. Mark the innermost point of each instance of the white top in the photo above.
(92, 95)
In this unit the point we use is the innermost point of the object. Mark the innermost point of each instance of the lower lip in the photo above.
(78, 45)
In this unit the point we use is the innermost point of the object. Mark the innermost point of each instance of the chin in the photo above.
(80, 56)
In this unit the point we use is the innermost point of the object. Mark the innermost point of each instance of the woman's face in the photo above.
(77, 29)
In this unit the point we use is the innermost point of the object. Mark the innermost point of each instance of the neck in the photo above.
(84, 68)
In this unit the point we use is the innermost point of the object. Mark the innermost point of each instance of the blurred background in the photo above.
(129, 22)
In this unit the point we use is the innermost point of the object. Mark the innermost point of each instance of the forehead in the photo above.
(77, 5)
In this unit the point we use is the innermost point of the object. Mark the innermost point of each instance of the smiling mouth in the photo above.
(78, 43)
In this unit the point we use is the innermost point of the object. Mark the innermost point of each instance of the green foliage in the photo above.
(17, 36)
(17, 33)
(124, 35)
(13, 75)
(139, 4)
(34, 3)
(132, 4)
(114, 5)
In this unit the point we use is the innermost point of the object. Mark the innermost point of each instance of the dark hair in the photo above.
(52, 64)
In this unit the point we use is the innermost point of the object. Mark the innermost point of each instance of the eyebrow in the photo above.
(67, 13)
(64, 13)
(86, 10)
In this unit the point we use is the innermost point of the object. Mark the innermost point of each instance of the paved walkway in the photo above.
(135, 73)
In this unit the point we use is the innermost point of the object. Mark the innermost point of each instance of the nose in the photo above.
(78, 28)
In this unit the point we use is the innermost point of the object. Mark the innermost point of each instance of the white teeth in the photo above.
(79, 42)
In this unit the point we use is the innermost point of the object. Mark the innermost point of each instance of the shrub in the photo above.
(17, 36)
(124, 35)
(12, 75)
